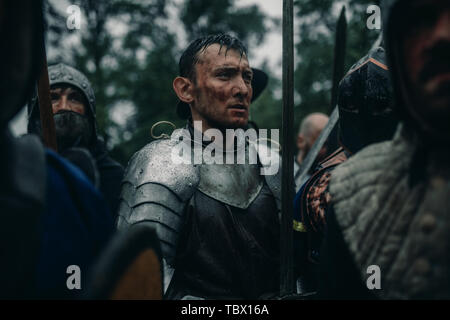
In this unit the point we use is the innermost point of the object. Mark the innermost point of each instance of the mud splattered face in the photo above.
(426, 50)
(222, 88)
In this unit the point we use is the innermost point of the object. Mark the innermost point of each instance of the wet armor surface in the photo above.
(220, 243)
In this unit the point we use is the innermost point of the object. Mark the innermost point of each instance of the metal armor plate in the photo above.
(155, 191)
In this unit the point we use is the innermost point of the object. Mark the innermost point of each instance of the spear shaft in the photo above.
(287, 182)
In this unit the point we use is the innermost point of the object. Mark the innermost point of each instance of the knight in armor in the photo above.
(366, 116)
(73, 103)
(52, 216)
(387, 229)
(218, 224)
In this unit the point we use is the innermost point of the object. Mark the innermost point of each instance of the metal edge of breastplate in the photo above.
(226, 183)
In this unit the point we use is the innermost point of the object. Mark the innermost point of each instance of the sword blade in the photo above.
(339, 55)
(338, 74)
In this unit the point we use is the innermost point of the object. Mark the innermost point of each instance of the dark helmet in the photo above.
(366, 111)
(22, 33)
(72, 129)
(63, 74)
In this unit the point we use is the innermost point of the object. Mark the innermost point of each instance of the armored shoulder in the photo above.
(155, 191)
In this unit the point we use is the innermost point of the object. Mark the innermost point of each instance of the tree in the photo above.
(313, 74)
(202, 17)
(99, 48)
(149, 87)
(97, 55)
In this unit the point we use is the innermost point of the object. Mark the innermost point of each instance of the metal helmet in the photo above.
(66, 75)
(366, 110)
(22, 33)
(63, 74)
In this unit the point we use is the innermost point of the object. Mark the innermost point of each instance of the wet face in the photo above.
(222, 88)
(426, 52)
(68, 99)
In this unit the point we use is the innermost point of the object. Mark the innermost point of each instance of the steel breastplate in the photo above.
(235, 185)
(228, 252)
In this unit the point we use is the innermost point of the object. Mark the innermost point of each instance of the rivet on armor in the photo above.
(428, 223)
(84, 85)
(438, 182)
(421, 266)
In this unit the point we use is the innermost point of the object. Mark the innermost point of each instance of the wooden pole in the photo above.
(45, 107)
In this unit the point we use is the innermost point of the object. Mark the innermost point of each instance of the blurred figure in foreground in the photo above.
(387, 233)
(73, 103)
(52, 217)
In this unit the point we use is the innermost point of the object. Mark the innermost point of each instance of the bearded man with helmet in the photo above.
(73, 102)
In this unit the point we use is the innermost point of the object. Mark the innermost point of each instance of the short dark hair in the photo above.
(189, 58)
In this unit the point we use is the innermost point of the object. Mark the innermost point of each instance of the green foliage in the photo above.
(317, 23)
(149, 87)
(96, 55)
(202, 17)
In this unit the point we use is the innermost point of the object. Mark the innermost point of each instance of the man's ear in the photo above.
(184, 89)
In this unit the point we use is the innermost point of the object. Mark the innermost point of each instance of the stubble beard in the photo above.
(221, 122)
(216, 120)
